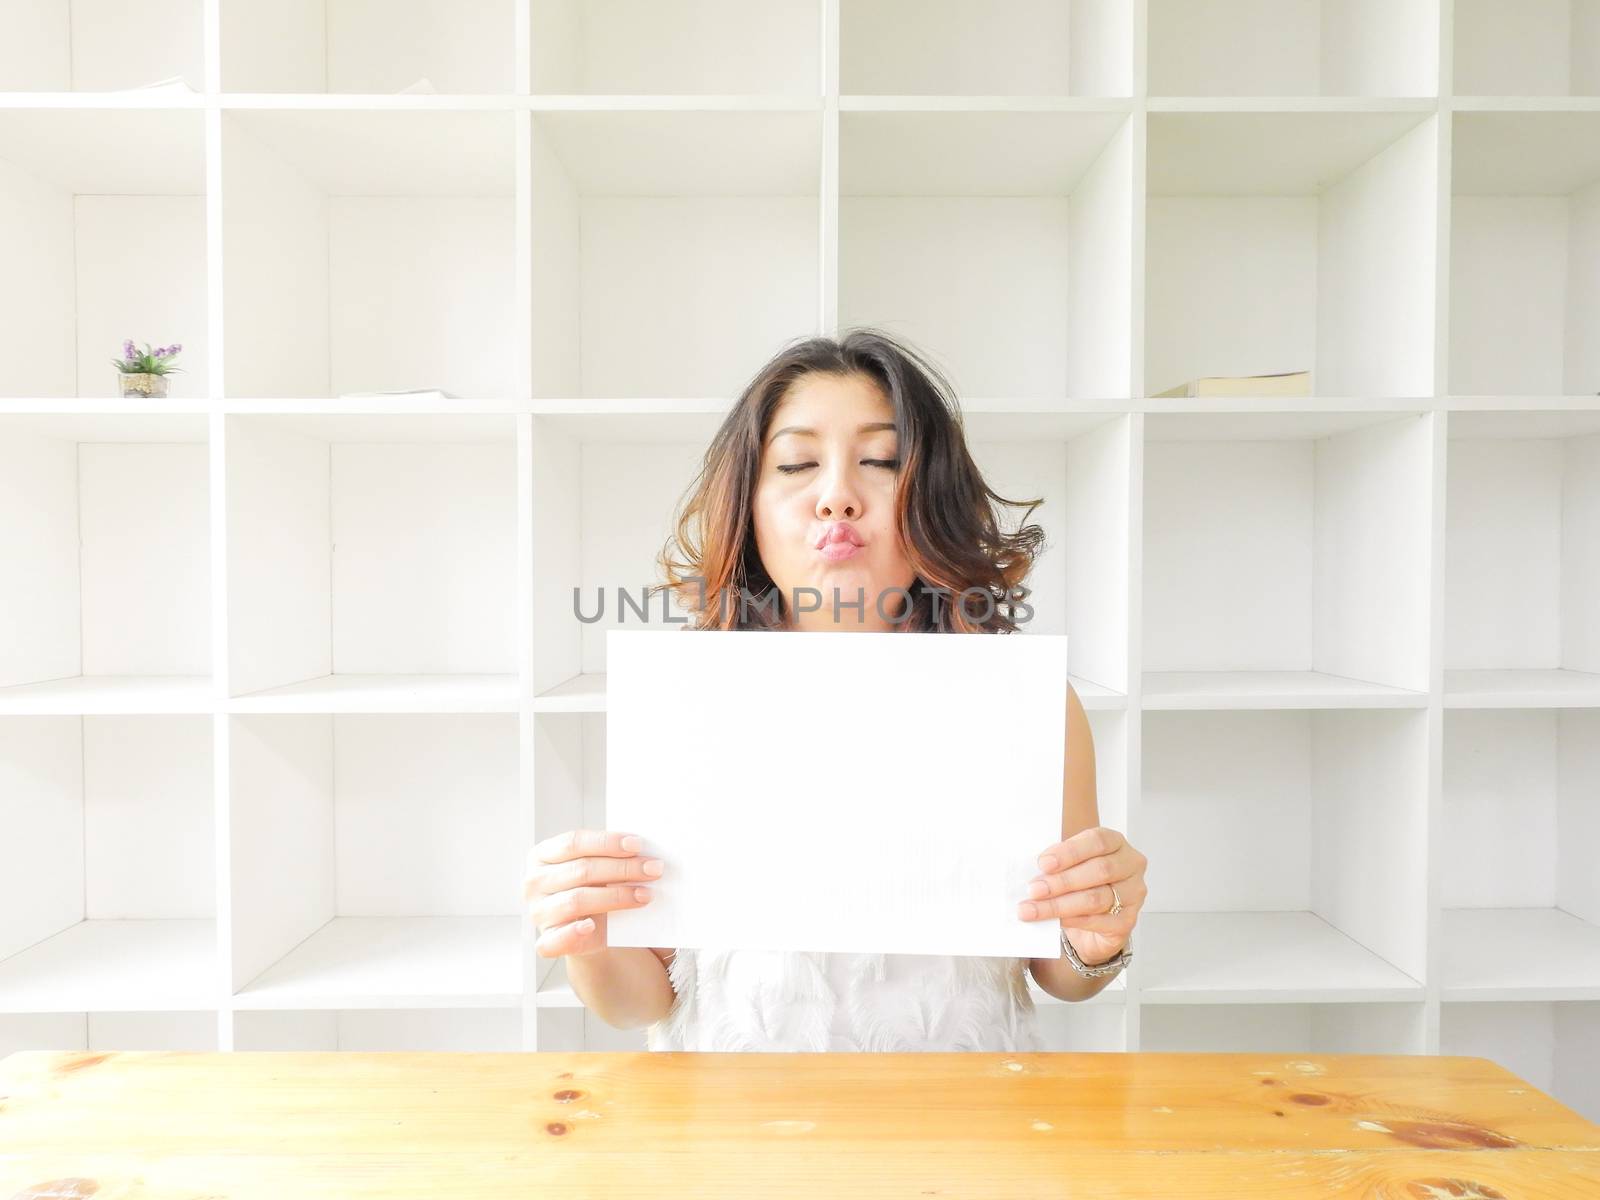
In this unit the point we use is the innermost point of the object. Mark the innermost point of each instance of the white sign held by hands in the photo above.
(853, 792)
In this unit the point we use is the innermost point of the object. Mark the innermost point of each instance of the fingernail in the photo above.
(1027, 910)
(631, 843)
(641, 894)
(652, 866)
(1038, 889)
(1047, 862)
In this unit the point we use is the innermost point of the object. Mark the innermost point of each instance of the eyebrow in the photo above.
(869, 427)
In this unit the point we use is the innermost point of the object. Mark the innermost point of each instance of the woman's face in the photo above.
(829, 468)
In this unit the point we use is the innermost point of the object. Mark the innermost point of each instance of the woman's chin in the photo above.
(847, 578)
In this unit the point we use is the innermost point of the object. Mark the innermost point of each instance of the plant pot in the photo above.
(143, 384)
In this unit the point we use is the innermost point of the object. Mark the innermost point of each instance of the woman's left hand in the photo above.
(1074, 886)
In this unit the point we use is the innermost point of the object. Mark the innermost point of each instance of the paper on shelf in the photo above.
(856, 792)
(176, 83)
(422, 87)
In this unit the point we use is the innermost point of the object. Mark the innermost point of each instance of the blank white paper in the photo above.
(853, 792)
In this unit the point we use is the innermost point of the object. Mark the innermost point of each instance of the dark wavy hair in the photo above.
(965, 563)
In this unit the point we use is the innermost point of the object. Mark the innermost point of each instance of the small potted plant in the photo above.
(146, 374)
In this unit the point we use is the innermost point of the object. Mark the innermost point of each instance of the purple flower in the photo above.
(128, 352)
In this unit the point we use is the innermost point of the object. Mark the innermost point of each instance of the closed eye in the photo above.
(890, 463)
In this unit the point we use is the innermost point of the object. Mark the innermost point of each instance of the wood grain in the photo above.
(346, 1124)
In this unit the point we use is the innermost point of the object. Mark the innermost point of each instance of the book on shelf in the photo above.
(1286, 383)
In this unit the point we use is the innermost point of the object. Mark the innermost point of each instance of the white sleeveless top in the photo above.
(767, 1000)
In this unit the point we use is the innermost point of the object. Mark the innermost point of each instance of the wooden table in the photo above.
(296, 1125)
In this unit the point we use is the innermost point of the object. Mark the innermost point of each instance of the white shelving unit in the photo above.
(294, 677)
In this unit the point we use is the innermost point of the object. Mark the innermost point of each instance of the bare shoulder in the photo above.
(664, 955)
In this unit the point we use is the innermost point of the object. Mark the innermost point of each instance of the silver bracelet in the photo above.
(1099, 970)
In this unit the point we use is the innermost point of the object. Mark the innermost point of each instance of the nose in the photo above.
(838, 499)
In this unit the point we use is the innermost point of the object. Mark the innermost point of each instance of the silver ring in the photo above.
(1116, 901)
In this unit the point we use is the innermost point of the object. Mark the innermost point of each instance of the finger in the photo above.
(1093, 872)
(576, 843)
(590, 872)
(573, 937)
(1089, 902)
(577, 903)
(1085, 844)
(1131, 890)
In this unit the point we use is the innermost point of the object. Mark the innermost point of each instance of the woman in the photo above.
(839, 495)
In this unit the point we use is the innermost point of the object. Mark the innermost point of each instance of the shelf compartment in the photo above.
(372, 563)
(1557, 954)
(1555, 1046)
(1524, 688)
(382, 1030)
(1329, 801)
(1078, 585)
(394, 961)
(1522, 585)
(138, 965)
(1295, 956)
(1525, 253)
(673, 250)
(375, 861)
(1527, 47)
(1016, 47)
(107, 880)
(1300, 1029)
(102, 45)
(84, 195)
(183, 1030)
(641, 47)
(1293, 47)
(1311, 237)
(1001, 238)
(1286, 559)
(1519, 823)
(1271, 689)
(107, 520)
(368, 46)
(394, 233)
(596, 545)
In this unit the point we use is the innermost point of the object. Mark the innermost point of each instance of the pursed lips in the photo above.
(839, 542)
(839, 533)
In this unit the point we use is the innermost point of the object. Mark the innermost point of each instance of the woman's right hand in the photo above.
(575, 878)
